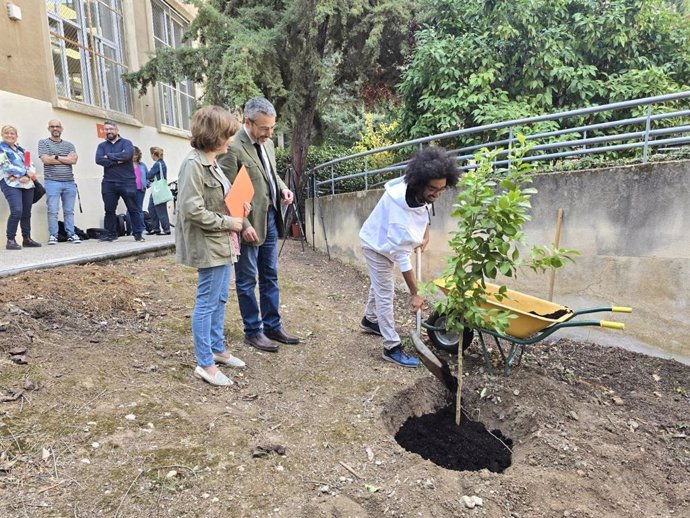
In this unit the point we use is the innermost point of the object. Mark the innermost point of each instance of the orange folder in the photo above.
(241, 192)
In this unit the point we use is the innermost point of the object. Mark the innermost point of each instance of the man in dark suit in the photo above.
(253, 148)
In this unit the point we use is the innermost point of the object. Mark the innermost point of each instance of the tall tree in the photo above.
(287, 50)
(477, 61)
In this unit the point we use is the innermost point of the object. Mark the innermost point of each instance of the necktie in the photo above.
(267, 170)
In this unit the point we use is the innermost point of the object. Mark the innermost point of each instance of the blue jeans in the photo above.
(67, 192)
(140, 204)
(111, 193)
(261, 260)
(20, 202)
(208, 318)
(159, 216)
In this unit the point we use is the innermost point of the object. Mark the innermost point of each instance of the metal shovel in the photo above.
(437, 367)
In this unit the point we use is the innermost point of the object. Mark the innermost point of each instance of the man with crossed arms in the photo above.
(253, 148)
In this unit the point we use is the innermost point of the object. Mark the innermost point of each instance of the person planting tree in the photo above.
(396, 227)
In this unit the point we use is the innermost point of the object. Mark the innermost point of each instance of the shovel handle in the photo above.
(418, 274)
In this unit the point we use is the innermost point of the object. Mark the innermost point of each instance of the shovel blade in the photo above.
(436, 366)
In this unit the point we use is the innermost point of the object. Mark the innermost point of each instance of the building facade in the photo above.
(64, 59)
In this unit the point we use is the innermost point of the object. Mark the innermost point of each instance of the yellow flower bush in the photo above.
(376, 135)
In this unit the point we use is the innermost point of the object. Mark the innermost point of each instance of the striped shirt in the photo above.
(56, 172)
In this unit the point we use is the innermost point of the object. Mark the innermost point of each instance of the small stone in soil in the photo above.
(472, 501)
(30, 385)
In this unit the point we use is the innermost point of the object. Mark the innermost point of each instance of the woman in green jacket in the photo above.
(206, 237)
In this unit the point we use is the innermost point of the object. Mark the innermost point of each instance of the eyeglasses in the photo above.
(263, 128)
(434, 190)
(55, 126)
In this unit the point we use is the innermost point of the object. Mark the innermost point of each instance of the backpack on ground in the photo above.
(123, 225)
(62, 233)
(96, 233)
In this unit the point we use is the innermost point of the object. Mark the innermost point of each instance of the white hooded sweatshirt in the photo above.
(394, 229)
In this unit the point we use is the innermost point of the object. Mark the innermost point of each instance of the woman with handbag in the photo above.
(17, 184)
(206, 237)
(158, 210)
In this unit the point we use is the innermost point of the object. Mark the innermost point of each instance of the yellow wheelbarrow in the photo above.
(534, 319)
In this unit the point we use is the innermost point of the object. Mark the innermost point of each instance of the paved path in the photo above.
(91, 250)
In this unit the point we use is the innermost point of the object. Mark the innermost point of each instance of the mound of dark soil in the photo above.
(468, 447)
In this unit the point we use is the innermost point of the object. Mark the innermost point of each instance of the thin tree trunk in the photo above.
(301, 136)
(458, 395)
(301, 133)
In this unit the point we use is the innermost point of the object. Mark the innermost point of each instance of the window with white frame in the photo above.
(177, 100)
(88, 47)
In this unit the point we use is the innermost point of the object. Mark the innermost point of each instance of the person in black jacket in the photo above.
(115, 155)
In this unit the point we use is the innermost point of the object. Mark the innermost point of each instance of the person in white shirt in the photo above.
(396, 227)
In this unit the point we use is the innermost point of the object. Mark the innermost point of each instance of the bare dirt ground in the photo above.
(106, 418)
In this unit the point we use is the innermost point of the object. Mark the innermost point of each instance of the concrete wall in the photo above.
(631, 226)
(28, 100)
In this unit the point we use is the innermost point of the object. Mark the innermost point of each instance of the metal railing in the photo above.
(662, 121)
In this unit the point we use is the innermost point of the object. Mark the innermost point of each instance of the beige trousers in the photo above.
(379, 306)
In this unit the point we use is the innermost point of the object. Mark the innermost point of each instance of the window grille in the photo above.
(88, 46)
(177, 100)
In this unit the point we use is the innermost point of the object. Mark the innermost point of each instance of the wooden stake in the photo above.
(458, 396)
(556, 244)
(350, 470)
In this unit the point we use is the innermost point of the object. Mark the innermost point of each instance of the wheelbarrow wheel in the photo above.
(447, 340)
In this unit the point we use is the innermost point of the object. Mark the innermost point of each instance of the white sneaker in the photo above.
(52, 240)
(219, 380)
(230, 360)
(74, 238)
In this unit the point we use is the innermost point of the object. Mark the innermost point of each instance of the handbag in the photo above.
(39, 191)
(160, 192)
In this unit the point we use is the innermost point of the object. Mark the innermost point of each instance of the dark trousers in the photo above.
(140, 204)
(159, 216)
(20, 202)
(111, 193)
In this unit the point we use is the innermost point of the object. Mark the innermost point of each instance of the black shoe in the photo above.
(279, 335)
(166, 233)
(262, 343)
(108, 238)
(139, 237)
(13, 245)
(30, 243)
(152, 232)
(370, 327)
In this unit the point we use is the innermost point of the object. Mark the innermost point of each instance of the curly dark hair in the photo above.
(430, 163)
